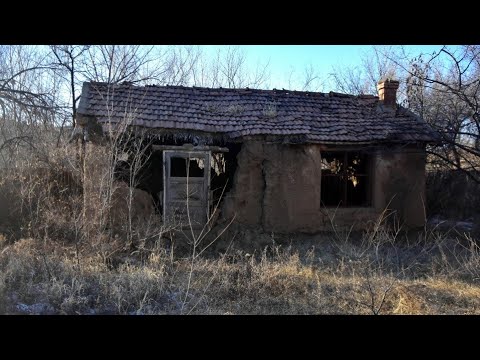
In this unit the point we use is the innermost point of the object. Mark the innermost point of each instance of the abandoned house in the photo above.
(285, 161)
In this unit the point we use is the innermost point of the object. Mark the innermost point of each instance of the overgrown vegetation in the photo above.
(378, 272)
(74, 242)
(463, 206)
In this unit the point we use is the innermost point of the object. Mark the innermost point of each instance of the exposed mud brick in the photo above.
(400, 185)
(124, 200)
(277, 187)
(244, 201)
(292, 193)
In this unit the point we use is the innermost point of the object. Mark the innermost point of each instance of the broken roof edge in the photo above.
(360, 143)
(436, 137)
(205, 137)
(177, 135)
(87, 86)
(82, 104)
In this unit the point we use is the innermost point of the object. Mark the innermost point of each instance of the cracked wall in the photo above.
(277, 187)
(244, 200)
(291, 200)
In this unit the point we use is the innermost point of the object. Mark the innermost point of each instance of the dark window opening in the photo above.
(179, 167)
(223, 167)
(345, 179)
(149, 177)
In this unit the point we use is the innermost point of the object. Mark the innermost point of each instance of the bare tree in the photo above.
(28, 101)
(229, 68)
(363, 79)
(180, 65)
(105, 63)
(443, 88)
(308, 80)
(23, 94)
(67, 59)
(350, 81)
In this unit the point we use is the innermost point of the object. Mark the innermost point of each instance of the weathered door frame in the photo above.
(167, 155)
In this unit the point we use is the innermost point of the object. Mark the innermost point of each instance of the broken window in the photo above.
(223, 167)
(178, 167)
(345, 179)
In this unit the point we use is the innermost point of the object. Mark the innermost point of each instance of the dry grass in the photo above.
(433, 275)
(61, 259)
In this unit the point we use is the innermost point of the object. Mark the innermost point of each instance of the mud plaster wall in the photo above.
(245, 200)
(399, 183)
(291, 200)
(278, 187)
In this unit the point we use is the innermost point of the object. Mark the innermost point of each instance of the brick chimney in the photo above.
(387, 92)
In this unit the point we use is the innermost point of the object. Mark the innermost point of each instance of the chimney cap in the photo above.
(389, 82)
(387, 92)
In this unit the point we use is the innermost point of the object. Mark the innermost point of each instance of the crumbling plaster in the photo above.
(277, 187)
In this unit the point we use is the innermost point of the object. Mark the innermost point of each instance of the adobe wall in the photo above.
(399, 183)
(278, 187)
(291, 200)
(245, 199)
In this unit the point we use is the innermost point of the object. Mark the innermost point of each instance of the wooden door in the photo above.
(186, 187)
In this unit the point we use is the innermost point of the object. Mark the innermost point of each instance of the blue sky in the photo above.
(322, 56)
(285, 58)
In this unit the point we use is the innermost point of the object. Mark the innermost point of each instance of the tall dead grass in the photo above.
(56, 260)
(435, 275)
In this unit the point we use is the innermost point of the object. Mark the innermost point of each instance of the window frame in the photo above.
(368, 174)
(174, 174)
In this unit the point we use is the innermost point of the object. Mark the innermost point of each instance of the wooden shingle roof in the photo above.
(316, 117)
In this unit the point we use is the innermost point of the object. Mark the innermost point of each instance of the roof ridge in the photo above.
(337, 94)
(249, 89)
